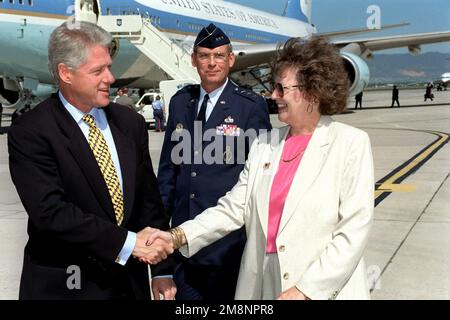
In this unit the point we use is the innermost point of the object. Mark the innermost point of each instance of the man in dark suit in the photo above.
(82, 168)
(219, 110)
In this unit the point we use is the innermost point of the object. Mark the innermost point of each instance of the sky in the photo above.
(332, 15)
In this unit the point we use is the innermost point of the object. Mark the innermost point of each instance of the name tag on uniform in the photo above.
(228, 130)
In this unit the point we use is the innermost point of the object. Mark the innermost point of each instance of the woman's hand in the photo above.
(292, 294)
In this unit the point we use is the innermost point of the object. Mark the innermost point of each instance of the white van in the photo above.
(144, 107)
(167, 89)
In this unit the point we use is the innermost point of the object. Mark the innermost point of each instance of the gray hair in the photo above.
(69, 44)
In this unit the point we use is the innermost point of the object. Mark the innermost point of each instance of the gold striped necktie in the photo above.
(101, 152)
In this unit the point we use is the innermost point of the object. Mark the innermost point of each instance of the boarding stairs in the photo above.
(164, 52)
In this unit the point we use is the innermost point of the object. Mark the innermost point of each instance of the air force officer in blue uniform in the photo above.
(193, 178)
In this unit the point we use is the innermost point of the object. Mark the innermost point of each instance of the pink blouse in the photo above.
(293, 150)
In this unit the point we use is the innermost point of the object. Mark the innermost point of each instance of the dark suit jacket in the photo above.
(71, 217)
(189, 188)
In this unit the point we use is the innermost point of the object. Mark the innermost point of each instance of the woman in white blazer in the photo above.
(305, 195)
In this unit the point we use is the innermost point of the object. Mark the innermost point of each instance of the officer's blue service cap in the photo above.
(211, 37)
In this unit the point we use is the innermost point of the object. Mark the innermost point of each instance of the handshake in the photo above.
(153, 245)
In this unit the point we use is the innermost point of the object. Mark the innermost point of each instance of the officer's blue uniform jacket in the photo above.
(189, 188)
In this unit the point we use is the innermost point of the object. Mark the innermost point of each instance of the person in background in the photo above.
(158, 114)
(119, 94)
(358, 100)
(395, 96)
(124, 99)
(305, 195)
(429, 92)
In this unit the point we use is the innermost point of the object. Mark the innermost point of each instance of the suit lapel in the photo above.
(126, 151)
(308, 170)
(80, 150)
(191, 113)
(268, 171)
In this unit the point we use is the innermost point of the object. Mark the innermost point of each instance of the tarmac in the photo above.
(408, 253)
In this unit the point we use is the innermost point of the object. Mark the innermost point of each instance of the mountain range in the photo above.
(398, 68)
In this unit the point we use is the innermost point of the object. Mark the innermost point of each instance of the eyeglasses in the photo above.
(281, 89)
(217, 56)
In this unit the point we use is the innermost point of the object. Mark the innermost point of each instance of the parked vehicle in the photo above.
(167, 89)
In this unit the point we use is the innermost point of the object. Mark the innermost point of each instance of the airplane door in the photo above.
(87, 10)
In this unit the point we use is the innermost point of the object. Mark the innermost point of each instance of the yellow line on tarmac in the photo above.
(390, 186)
(397, 187)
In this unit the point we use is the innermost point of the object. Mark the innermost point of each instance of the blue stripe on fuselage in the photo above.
(167, 22)
(185, 25)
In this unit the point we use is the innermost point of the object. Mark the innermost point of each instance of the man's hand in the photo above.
(150, 254)
(165, 287)
(292, 294)
(157, 240)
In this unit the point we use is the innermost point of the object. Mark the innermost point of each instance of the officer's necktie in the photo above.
(202, 113)
(101, 152)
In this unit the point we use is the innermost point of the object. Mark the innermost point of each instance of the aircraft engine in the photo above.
(357, 71)
(13, 95)
(8, 98)
(414, 49)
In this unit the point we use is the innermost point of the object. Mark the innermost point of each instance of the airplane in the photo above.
(445, 77)
(27, 24)
(445, 80)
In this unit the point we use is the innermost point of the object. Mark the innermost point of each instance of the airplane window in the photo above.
(20, 1)
(11, 1)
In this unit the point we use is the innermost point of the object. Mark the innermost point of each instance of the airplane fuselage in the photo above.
(26, 25)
